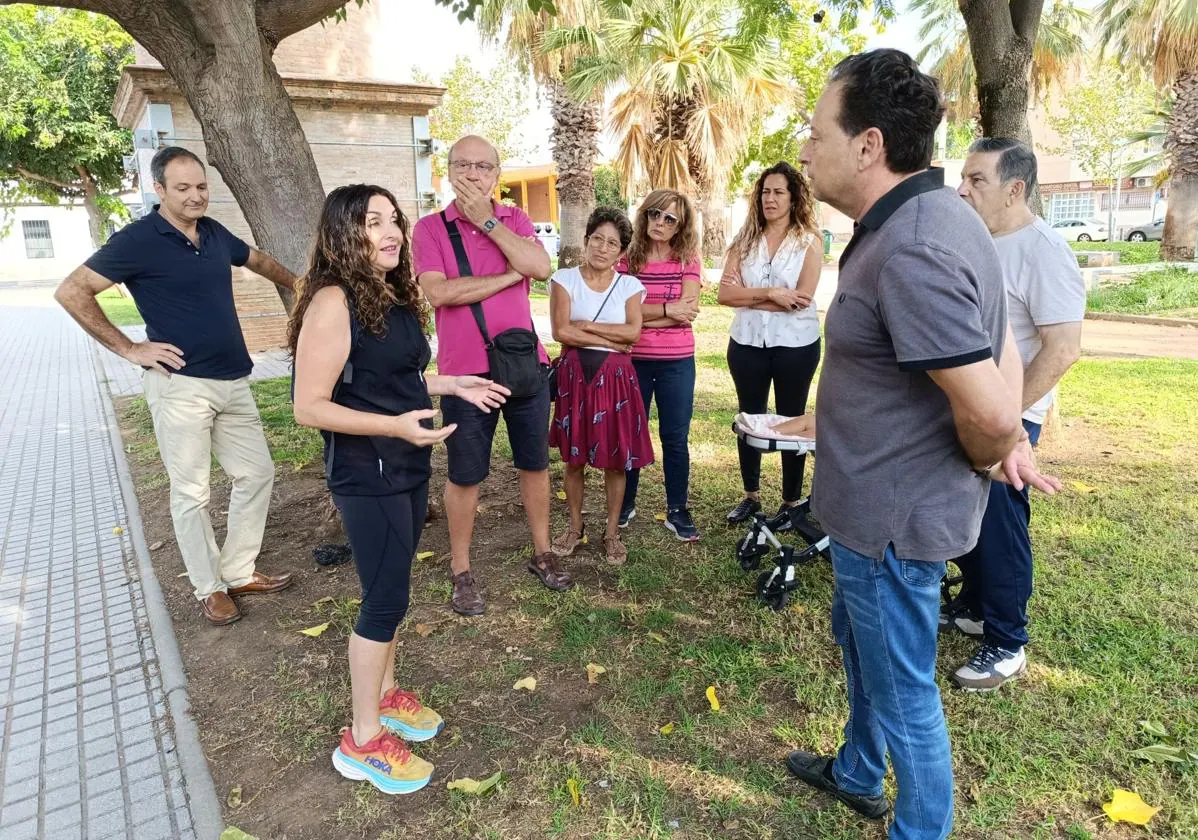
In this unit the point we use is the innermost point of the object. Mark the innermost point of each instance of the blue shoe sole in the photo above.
(410, 733)
(359, 772)
(670, 525)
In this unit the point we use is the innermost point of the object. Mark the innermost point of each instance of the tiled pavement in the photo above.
(87, 742)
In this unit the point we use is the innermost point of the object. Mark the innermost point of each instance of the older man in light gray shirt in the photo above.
(1046, 301)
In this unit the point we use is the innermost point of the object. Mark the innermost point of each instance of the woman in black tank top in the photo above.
(358, 338)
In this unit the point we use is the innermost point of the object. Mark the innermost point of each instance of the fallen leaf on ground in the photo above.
(181, 575)
(575, 791)
(1082, 487)
(1127, 806)
(118, 530)
(661, 517)
(667, 729)
(657, 637)
(593, 672)
(561, 494)
(316, 631)
(528, 684)
(712, 699)
(473, 787)
(156, 545)
(327, 599)
(234, 800)
(234, 833)
(586, 540)
(424, 555)
(424, 630)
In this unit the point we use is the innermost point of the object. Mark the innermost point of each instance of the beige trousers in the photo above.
(195, 419)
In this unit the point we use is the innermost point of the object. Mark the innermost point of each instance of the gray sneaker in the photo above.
(957, 617)
(990, 668)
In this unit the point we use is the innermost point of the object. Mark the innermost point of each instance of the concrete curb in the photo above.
(1152, 320)
(202, 800)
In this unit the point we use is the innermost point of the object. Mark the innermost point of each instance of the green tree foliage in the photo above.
(58, 139)
(607, 188)
(492, 105)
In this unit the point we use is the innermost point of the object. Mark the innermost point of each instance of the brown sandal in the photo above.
(567, 543)
(615, 551)
(548, 569)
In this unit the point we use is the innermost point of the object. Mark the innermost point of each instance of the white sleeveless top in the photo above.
(758, 328)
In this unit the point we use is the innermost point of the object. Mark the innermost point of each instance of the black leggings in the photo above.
(791, 370)
(383, 533)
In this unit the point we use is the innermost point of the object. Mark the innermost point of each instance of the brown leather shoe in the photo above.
(220, 609)
(467, 599)
(261, 584)
(548, 568)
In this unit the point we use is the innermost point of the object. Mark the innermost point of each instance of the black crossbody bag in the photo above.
(512, 355)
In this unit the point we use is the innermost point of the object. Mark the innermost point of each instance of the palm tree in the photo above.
(1153, 138)
(1059, 49)
(692, 78)
(576, 122)
(1163, 35)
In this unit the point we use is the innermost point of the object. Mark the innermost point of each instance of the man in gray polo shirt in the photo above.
(918, 403)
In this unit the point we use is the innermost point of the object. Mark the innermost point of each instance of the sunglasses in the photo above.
(669, 218)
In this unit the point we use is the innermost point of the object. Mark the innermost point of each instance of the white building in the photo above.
(45, 242)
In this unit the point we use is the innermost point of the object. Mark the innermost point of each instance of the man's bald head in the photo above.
(474, 148)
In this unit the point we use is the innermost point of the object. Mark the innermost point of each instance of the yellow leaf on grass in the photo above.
(1126, 806)
(473, 787)
(667, 729)
(712, 699)
(528, 684)
(1082, 487)
(424, 630)
(593, 672)
(316, 631)
(424, 555)
(661, 517)
(586, 540)
(657, 637)
(575, 791)
(234, 799)
(561, 494)
(327, 599)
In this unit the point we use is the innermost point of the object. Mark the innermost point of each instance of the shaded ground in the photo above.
(1115, 641)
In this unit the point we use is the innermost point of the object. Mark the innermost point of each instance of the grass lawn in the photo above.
(1170, 292)
(1130, 253)
(1114, 627)
(120, 309)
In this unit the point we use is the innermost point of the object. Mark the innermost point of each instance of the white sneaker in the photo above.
(960, 619)
(990, 667)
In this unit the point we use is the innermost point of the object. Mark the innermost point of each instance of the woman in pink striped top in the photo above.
(664, 256)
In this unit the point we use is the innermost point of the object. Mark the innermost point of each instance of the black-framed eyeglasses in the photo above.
(669, 218)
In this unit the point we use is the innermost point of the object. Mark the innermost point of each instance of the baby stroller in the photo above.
(774, 586)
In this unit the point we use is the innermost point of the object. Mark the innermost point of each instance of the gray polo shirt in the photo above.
(920, 289)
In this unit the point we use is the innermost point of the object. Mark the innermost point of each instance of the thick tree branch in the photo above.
(1025, 17)
(279, 18)
(990, 29)
(112, 8)
(33, 176)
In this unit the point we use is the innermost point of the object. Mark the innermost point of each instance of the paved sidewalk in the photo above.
(87, 739)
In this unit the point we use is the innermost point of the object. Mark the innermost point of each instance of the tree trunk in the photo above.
(715, 226)
(95, 216)
(575, 146)
(1181, 144)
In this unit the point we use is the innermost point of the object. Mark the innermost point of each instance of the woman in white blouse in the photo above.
(770, 274)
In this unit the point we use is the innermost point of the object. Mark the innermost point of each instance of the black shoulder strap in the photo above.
(464, 270)
(606, 299)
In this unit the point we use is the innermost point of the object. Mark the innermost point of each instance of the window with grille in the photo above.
(1129, 200)
(1071, 206)
(38, 244)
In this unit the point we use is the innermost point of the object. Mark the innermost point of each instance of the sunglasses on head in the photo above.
(669, 218)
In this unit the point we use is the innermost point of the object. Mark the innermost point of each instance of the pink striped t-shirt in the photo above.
(663, 282)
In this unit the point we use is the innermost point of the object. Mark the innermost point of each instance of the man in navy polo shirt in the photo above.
(176, 264)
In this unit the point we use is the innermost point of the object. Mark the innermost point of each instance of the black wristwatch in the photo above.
(490, 224)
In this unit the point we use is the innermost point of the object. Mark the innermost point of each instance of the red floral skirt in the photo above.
(600, 423)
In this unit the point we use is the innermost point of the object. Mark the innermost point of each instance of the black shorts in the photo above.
(469, 447)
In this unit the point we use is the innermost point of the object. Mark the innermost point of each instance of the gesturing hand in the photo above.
(474, 204)
(480, 392)
(157, 355)
(407, 426)
(1019, 469)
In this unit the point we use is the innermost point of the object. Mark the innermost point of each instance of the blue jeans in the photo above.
(673, 382)
(998, 571)
(884, 617)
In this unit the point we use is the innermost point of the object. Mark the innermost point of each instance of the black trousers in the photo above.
(383, 532)
(790, 370)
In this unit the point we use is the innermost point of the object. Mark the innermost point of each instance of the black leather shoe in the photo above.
(816, 770)
(743, 511)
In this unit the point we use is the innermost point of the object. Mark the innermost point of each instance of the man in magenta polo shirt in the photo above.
(503, 252)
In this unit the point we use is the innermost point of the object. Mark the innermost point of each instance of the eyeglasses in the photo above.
(480, 166)
(602, 243)
(669, 218)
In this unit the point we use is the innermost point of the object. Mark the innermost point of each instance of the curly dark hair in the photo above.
(885, 89)
(802, 209)
(342, 257)
(614, 217)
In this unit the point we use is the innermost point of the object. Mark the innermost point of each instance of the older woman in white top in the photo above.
(770, 274)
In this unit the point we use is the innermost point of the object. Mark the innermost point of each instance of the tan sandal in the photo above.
(615, 551)
(566, 544)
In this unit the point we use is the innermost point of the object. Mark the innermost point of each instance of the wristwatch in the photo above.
(490, 224)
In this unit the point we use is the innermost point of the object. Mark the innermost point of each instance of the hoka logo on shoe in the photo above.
(379, 764)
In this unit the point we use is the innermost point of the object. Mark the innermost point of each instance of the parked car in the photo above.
(550, 238)
(1149, 232)
(1079, 230)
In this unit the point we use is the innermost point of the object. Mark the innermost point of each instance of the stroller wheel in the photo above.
(772, 594)
(748, 560)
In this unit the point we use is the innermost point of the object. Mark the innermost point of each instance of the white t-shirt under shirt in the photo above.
(586, 303)
(759, 328)
(1044, 287)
